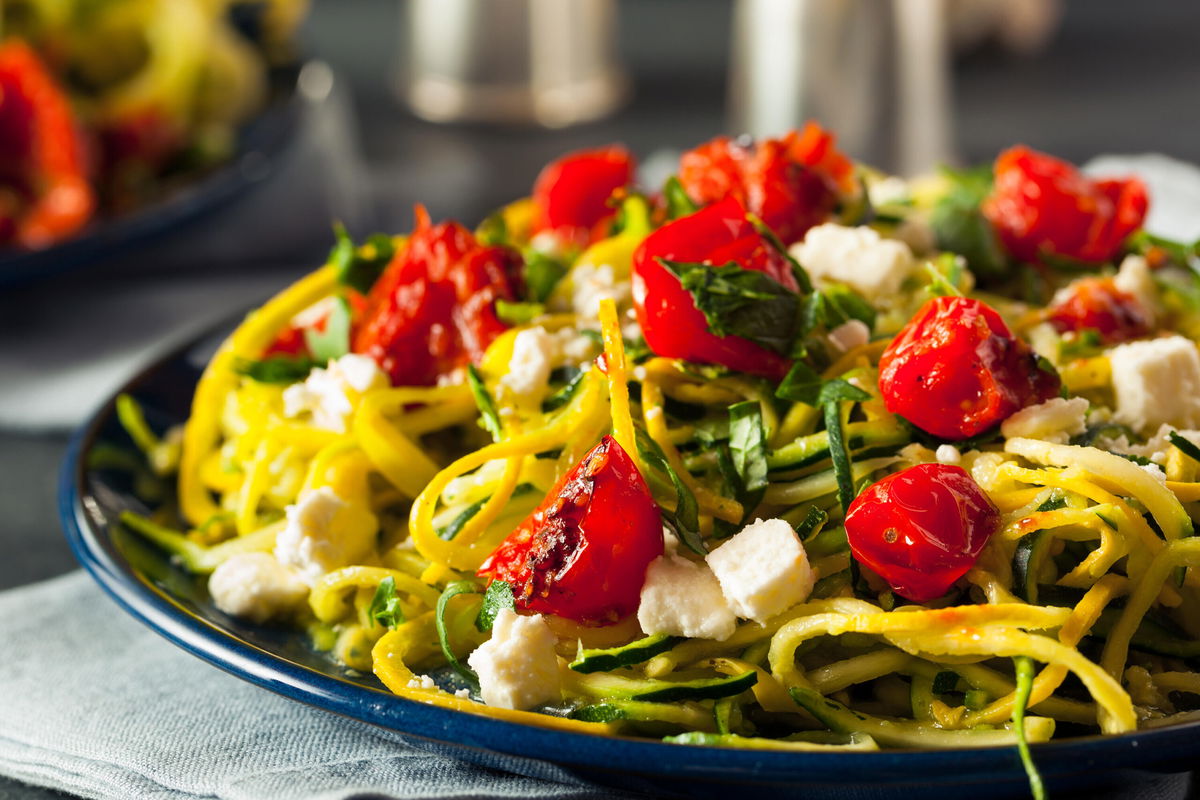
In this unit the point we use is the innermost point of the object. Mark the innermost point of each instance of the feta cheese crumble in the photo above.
(1157, 381)
(330, 393)
(533, 354)
(256, 587)
(948, 454)
(1134, 279)
(683, 598)
(856, 256)
(422, 682)
(763, 570)
(1055, 420)
(591, 283)
(323, 533)
(518, 667)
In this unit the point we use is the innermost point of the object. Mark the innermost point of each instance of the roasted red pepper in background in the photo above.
(1042, 207)
(582, 554)
(956, 370)
(791, 183)
(921, 529)
(1097, 304)
(571, 194)
(44, 193)
(434, 307)
(670, 321)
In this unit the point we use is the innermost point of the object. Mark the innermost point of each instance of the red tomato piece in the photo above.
(41, 154)
(921, 529)
(291, 340)
(583, 553)
(433, 309)
(1043, 206)
(791, 183)
(956, 370)
(1098, 304)
(571, 194)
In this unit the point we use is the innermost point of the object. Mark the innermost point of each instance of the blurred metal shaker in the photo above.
(544, 62)
(873, 71)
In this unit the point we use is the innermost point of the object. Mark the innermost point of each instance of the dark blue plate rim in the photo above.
(1170, 748)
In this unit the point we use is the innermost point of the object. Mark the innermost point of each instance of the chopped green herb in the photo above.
(748, 445)
(959, 224)
(686, 518)
(945, 271)
(518, 313)
(832, 394)
(385, 605)
(489, 417)
(499, 596)
(360, 267)
(801, 385)
(275, 369)
(333, 342)
(542, 273)
(798, 272)
(439, 623)
(678, 202)
(493, 230)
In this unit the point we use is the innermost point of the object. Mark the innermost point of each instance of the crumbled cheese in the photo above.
(1134, 279)
(256, 587)
(763, 570)
(857, 256)
(323, 533)
(683, 598)
(518, 667)
(592, 283)
(1156, 448)
(422, 682)
(849, 335)
(575, 348)
(1157, 381)
(330, 394)
(948, 454)
(888, 191)
(463, 694)
(1055, 420)
(533, 355)
(1156, 471)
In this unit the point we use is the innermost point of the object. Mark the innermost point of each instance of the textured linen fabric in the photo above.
(93, 703)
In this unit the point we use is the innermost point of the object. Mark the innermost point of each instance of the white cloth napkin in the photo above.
(94, 704)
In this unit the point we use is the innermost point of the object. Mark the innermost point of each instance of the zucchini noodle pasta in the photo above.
(855, 484)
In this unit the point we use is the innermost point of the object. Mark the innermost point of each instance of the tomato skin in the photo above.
(921, 529)
(1098, 304)
(583, 553)
(433, 308)
(670, 321)
(42, 154)
(791, 183)
(1041, 205)
(956, 370)
(571, 193)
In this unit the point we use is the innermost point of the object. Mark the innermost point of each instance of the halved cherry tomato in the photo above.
(1041, 206)
(1098, 304)
(582, 554)
(670, 321)
(791, 183)
(434, 307)
(921, 529)
(956, 370)
(571, 194)
(42, 177)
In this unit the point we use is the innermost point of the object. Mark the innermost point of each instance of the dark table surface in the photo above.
(1117, 78)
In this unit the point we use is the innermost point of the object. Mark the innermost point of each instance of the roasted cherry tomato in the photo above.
(791, 183)
(921, 529)
(1041, 206)
(434, 307)
(956, 370)
(670, 321)
(582, 554)
(572, 194)
(1098, 304)
(44, 193)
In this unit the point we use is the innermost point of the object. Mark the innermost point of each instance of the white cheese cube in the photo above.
(330, 394)
(1134, 279)
(856, 256)
(518, 667)
(533, 356)
(763, 570)
(948, 454)
(1056, 420)
(849, 335)
(1157, 381)
(256, 587)
(323, 533)
(682, 598)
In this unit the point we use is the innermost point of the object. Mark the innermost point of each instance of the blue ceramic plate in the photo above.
(176, 605)
(260, 143)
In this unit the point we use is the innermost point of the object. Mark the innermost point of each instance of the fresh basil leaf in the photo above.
(678, 202)
(741, 302)
(439, 624)
(499, 596)
(489, 417)
(843, 304)
(360, 267)
(945, 272)
(333, 342)
(385, 605)
(542, 273)
(748, 445)
(518, 313)
(686, 517)
(798, 271)
(493, 230)
(837, 390)
(959, 224)
(800, 385)
(456, 524)
(275, 369)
